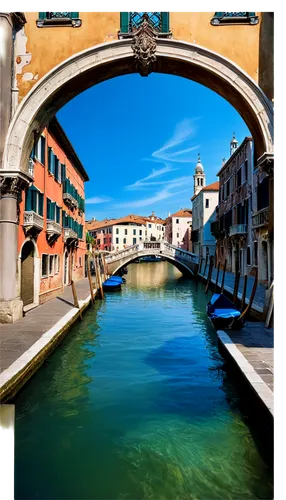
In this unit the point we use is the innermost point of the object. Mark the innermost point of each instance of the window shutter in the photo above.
(34, 200)
(124, 22)
(53, 208)
(74, 15)
(43, 150)
(53, 163)
(48, 209)
(56, 168)
(41, 204)
(59, 172)
(42, 15)
(165, 22)
(63, 173)
(50, 154)
(63, 218)
(28, 200)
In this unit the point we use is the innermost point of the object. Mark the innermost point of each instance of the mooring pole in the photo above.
(223, 275)
(89, 279)
(217, 274)
(75, 299)
(98, 275)
(236, 285)
(207, 258)
(209, 273)
(244, 292)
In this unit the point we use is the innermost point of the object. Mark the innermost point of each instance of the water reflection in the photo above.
(136, 404)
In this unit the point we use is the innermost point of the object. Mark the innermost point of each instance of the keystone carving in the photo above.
(144, 47)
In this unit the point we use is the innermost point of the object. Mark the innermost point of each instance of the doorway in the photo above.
(27, 273)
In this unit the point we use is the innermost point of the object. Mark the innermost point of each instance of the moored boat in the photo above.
(117, 279)
(150, 258)
(223, 313)
(110, 285)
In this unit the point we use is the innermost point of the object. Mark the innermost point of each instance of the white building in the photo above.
(178, 229)
(116, 234)
(204, 201)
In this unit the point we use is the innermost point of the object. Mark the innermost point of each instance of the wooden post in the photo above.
(209, 273)
(217, 274)
(236, 285)
(75, 300)
(251, 297)
(207, 258)
(89, 279)
(98, 275)
(244, 292)
(201, 262)
(223, 275)
(271, 306)
(102, 263)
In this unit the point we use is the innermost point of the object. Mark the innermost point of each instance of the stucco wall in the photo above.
(43, 48)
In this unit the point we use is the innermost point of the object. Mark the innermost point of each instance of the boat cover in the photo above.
(220, 306)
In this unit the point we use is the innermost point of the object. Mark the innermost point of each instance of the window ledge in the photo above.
(226, 21)
(123, 36)
(59, 22)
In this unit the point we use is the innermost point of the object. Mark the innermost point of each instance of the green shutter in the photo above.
(34, 199)
(63, 172)
(63, 218)
(53, 163)
(28, 206)
(53, 207)
(41, 204)
(48, 209)
(42, 15)
(165, 22)
(74, 15)
(56, 168)
(124, 22)
(43, 150)
(50, 154)
(58, 215)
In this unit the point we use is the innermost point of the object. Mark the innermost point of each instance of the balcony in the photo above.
(54, 230)
(260, 219)
(33, 222)
(238, 229)
(70, 200)
(70, 234)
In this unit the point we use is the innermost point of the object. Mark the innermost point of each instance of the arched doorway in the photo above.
(27, 273)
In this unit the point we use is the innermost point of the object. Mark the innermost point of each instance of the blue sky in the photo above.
(139, 139)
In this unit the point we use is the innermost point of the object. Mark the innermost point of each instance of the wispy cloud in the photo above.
(184, 131)
(97, 199)
(161, 195)
(155, 173)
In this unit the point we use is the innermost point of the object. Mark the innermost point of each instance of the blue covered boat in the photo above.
(223, 313)
(118, 279)
(111, 285)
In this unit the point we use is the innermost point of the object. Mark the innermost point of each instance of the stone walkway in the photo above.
(258, 303)
(252, 348)
(18, 337)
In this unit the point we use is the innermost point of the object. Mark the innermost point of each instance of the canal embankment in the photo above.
(28, 342)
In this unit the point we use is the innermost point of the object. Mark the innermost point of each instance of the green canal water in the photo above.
(136, 404)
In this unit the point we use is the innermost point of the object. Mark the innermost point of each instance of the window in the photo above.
(129, 21)
(246, 170)
(207, 203)
(178, 235)
(125, 231)
(51, 265)
(98, 242)
(149, 225)
(140, 232)
(79, 261)
(47, 19)
(238, 178)
(45, 259)
(177, 221)
(221, 18)
(202, 182)
(134, 231)
(248, 257)
(198, 182)
(134, 241)
(124, 241)
(117, 230)
(255, 253)
(40, 149)
(117, 240)
(34, 201)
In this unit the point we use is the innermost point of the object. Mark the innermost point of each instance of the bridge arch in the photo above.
(179, 265)
(108, 60)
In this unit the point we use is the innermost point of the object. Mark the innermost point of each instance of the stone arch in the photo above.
(179, 265)
(105, 61)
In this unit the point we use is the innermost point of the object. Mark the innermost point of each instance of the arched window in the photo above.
(202, 182)
(198, 182)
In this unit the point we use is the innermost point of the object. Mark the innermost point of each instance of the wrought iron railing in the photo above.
(260, 218)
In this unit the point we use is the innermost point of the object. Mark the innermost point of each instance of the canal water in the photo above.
(136, 404)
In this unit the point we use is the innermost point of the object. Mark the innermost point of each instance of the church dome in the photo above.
(199, 167)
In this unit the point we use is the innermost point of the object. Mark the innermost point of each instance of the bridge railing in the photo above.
(122, 253)
(181, 253)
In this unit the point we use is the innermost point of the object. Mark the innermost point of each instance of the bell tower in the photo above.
(199, 177)
(233, 144)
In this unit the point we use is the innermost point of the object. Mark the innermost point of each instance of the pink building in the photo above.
(178, 229)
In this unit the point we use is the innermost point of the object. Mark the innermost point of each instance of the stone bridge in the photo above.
(185, 261)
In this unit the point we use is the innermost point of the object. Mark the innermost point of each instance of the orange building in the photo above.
(51, 242)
